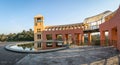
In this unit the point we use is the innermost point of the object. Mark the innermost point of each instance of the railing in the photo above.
(92, 27)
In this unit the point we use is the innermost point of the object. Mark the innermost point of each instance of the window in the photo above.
(49, 36)
(39, 36)
(35, 24)
(38, 30)
(38, 44)
(59, 37)
(39, 19)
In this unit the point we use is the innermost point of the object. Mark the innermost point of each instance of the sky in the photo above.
(18, 15)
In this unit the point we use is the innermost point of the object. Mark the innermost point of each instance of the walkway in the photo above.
(8, 57)
(73, 56)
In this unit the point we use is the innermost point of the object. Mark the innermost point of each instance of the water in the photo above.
(25, 47)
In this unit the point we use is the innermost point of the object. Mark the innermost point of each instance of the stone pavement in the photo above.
(8, 57)
(86, 55)
(74, 56)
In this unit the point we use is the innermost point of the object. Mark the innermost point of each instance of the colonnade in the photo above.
(112, 37)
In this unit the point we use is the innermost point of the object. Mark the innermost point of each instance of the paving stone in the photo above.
(113, 61)
(8, 57)
(83, 55)
(101, 62)
(72, 56)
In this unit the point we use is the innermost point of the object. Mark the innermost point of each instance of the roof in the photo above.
(96, 17)
(39, 15)
(67, 25)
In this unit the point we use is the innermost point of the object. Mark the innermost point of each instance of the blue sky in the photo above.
(17, 15)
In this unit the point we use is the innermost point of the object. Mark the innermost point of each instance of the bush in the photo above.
(96, 43)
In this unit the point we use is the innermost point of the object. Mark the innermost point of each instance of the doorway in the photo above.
(114, 37)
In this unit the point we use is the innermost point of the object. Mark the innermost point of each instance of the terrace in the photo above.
(80, 55)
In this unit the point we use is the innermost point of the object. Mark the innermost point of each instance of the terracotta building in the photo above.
(46, 37)
(112, 25)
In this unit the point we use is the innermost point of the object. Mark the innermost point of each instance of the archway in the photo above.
(114, 37)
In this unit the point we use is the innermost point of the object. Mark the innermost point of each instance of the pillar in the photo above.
(73, 38)
(114, 37)
(66, 36)
(54, 38)
(118, 36)
(89, 38)
(44, 45)
(63, 37)
(102, 38)
(78, 39)
(82, 39)
(43, 36)
(66, 39)
(110, 37)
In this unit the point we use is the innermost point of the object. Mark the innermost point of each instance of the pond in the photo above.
(29, 47)
(26, 47)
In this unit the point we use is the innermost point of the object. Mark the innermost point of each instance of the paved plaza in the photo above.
(8, 57)
(87, 55)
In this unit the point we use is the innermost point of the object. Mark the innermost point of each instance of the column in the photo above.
(73, 38)
(82, 39)
(89, 38)
(118, 36)
(110, 37)
(54, 39)
(63, 38)
(113, 37)
(79, 39)
(54, 36)
(44, 36)
(43, 45)
(66, 39)
(102, 38)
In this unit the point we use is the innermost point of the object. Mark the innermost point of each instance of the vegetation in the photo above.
(59, 37)
(22, 36)
(49, 36)
(96, 39)
(26, 45)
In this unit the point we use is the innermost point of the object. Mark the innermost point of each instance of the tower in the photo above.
(38, 28)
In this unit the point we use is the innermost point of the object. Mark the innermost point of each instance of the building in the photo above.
(112, 25)
(46, 37)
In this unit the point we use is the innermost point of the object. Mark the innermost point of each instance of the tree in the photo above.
(3, 38)
(22, 36)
